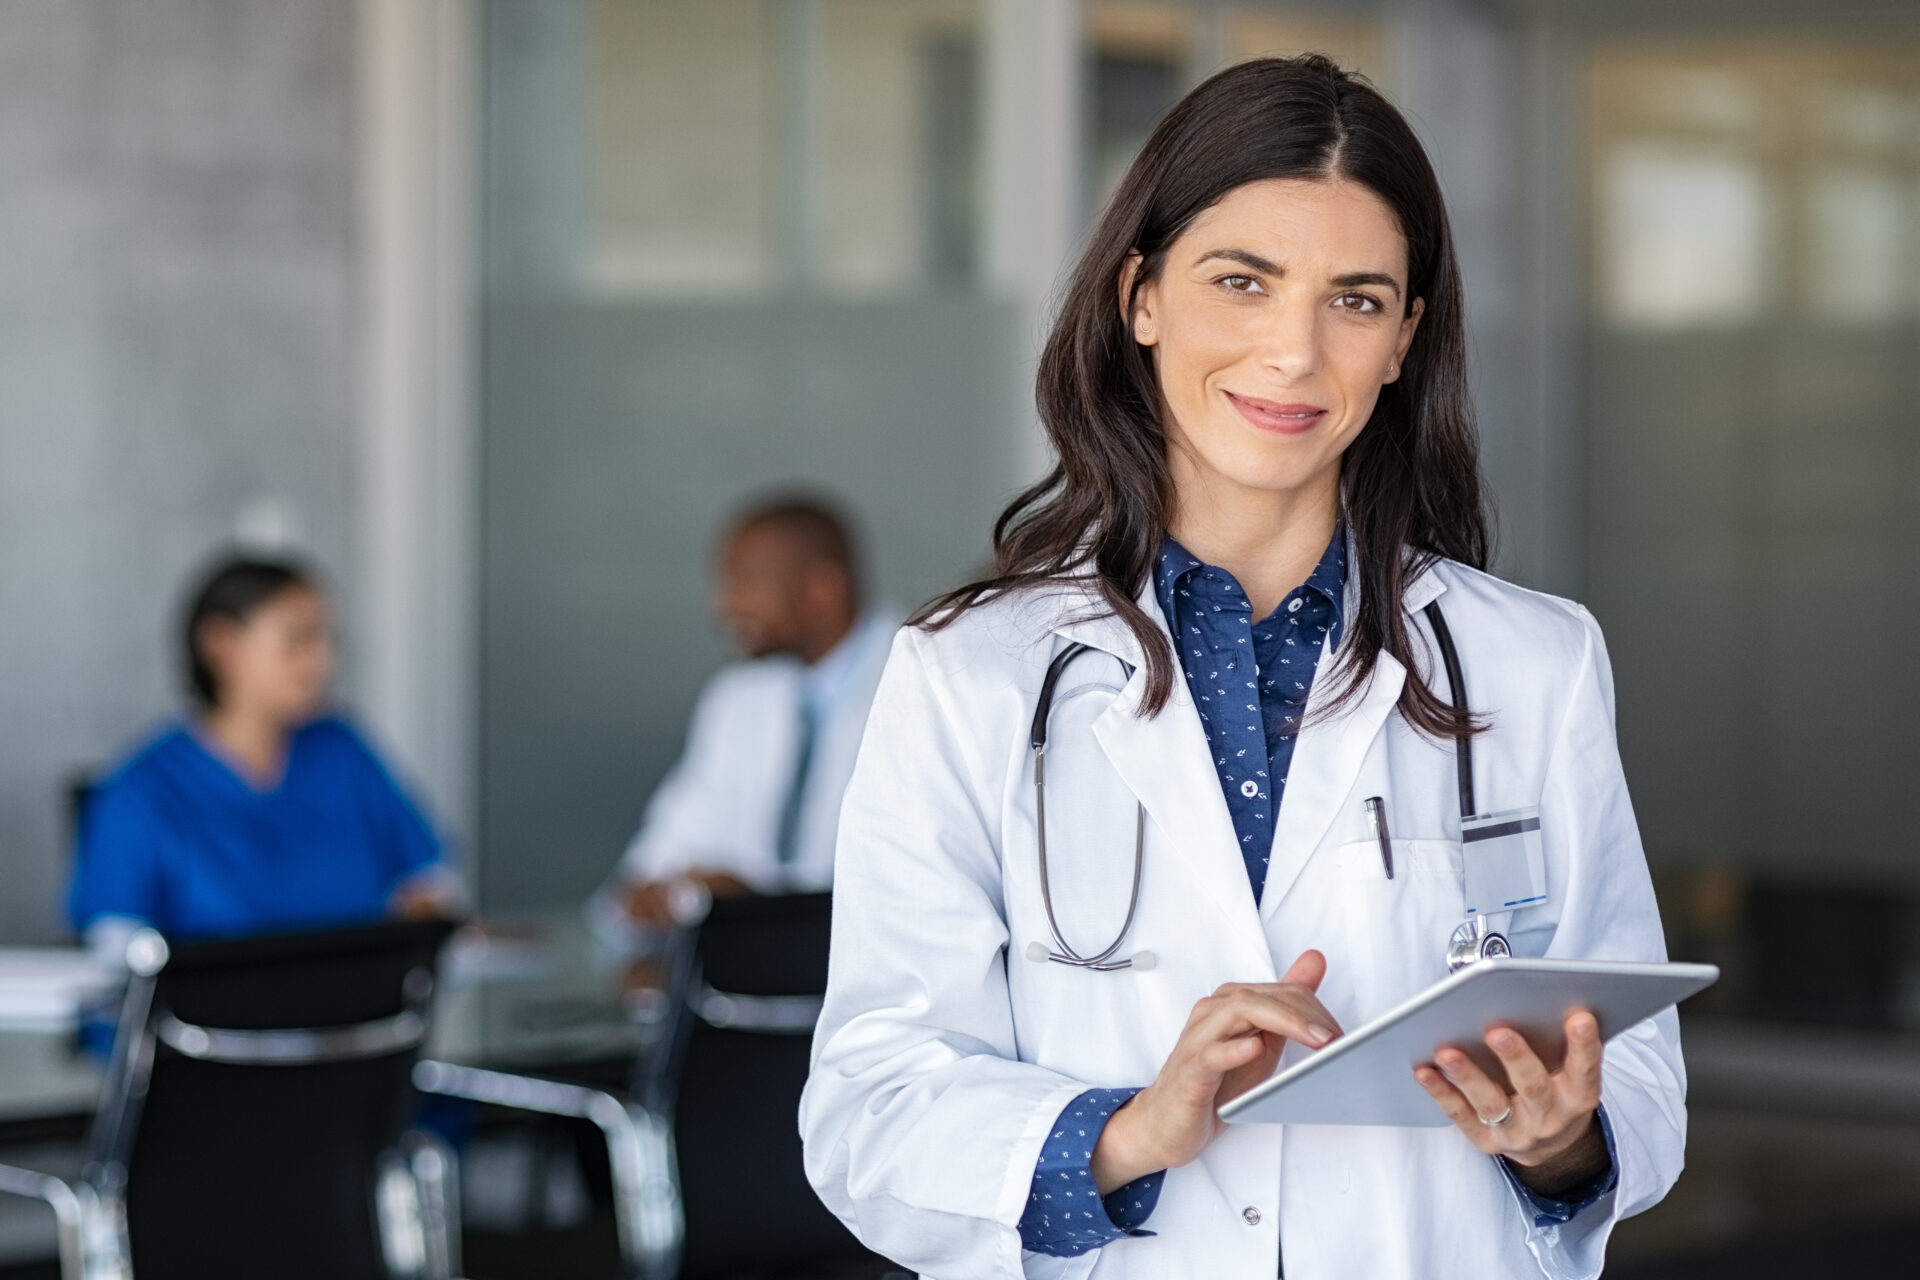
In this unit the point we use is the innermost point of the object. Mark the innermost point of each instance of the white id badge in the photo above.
(1505, 868)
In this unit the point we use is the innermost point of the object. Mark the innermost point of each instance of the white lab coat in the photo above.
(943, 1055)
(719, 808)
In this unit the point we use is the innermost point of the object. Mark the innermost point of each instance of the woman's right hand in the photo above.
(1232, 1042)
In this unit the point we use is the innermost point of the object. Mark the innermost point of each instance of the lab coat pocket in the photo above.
(1397, 929)
(1041, 1266)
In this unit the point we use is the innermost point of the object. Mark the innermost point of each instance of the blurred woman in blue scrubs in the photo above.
(259, 811)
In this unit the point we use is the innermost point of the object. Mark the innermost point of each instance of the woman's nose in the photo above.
(1290, 342)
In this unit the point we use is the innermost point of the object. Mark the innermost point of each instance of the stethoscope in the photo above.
(1102, 961)
(1472, 941)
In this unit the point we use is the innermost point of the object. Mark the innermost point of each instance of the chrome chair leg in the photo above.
(92, 1228)
(646, 1190)
(436, 1171)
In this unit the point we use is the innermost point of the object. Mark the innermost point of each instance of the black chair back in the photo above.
(279, 1078)
(759, 972)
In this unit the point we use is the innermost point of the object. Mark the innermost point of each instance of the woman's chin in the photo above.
(1288, 477)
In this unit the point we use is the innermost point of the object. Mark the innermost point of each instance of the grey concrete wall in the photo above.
(175, 356)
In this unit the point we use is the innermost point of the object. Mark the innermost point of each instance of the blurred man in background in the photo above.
(753, 803)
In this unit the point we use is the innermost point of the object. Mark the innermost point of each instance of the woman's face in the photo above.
(278, 661)
(1274, 322)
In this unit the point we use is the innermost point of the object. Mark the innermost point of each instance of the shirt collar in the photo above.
(1177, 565)
(823, 683)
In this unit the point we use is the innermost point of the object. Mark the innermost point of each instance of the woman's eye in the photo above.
(1241, 284)
(1363, 303)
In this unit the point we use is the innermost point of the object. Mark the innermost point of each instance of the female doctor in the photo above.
(1267, 473)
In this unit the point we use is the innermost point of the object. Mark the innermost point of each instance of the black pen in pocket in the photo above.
(1377, 819)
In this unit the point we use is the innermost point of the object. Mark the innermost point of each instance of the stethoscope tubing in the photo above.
(1457, 694)
(1478, 941)
(1063, 953)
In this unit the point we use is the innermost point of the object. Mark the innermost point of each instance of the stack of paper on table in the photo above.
(46, 987)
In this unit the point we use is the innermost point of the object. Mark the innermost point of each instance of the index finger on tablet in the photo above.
(1307, 1005)
(1284, 1011)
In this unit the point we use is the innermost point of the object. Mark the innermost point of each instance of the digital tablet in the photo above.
(1366, 1076)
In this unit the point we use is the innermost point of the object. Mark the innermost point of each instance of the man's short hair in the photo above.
(816, 526)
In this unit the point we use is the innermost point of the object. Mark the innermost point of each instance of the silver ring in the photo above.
(1498, 1120)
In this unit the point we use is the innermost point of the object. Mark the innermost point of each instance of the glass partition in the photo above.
(730, 244)
(1754, 460)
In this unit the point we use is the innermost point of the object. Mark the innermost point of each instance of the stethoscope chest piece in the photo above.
(1472, 942)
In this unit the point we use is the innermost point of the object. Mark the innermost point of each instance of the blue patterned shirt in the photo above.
(1250, 682)
(1066, 1215)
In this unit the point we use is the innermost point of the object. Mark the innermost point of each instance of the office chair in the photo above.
(76, 793)
(254, 1119)
(705, 1148)
(751, 1001)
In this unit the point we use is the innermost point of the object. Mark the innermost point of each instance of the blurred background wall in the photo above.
(176, 357)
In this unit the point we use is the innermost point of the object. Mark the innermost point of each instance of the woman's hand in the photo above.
(1232, 1042)
(1548, 1126)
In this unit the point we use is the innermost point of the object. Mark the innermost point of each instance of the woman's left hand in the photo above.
(1547, 1126)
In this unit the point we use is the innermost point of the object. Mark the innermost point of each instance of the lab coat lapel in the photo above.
(1326, 763)
(1328, 758)
(1166, 762)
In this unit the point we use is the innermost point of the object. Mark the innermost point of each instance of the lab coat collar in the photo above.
(1080, 613)
(1167, 763)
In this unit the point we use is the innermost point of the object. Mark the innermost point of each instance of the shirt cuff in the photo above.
(1066, 1215)
(1553, 1210)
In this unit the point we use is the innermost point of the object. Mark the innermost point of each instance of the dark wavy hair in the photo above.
(1410, 481)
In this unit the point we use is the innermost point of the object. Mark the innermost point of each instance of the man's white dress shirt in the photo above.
(721, 806)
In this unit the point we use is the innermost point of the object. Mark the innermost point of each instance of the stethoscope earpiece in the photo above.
(1040, 953)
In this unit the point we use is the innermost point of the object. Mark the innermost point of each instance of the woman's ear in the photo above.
(1136, 301)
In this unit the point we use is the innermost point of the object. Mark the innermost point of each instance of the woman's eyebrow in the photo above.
(1245, 259)
(1254, 262)
(1358, 278)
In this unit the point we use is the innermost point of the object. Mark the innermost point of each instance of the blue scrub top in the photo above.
(177, 839)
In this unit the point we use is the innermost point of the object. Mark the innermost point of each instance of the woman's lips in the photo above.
(1283, 419)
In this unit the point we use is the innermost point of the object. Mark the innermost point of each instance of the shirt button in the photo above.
(1293, 605)
(1250, 1216)
(1249, 788)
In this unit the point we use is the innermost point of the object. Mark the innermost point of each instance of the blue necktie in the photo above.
(788, 846)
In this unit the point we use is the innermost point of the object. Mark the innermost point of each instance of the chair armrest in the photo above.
(639, 1150)
(768, 1015)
